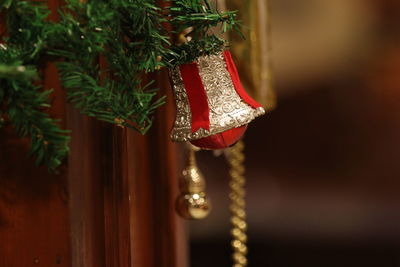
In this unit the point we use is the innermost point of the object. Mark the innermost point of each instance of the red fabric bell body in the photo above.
(221, 140)
(213, 109)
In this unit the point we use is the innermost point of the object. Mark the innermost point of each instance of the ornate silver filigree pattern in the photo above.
(227, 109)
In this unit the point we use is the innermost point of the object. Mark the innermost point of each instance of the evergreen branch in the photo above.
(17, 71)
(200, 17)
(111, 102)
(25, 110)
(24, 103)
(188, 52)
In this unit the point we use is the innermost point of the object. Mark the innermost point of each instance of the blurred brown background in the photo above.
(323, 167)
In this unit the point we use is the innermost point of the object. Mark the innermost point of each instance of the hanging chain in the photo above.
(236, 158)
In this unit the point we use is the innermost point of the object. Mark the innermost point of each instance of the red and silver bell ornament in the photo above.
(213, 109)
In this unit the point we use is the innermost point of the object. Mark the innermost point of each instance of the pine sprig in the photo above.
(25, 110)
(201, 18)
(200, 15)
(188, 52)
(17, 71)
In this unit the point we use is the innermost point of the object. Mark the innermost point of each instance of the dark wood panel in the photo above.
(85, 192)
(122, 193)
(158, 234)
(34, 223)
(113, 203)
(34, 229)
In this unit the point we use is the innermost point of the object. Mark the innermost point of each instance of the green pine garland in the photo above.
(128, 35)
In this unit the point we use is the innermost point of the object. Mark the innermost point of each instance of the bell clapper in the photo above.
(192, 202)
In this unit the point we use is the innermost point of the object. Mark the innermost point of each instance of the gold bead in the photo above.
(239, 258)
(193, 206)
(192, 180)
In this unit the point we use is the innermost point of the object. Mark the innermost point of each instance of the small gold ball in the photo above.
(193, 206)
(182, 39)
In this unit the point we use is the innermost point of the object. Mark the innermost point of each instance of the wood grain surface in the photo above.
(111, 205)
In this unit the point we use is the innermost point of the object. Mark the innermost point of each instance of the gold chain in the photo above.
(236, 158)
